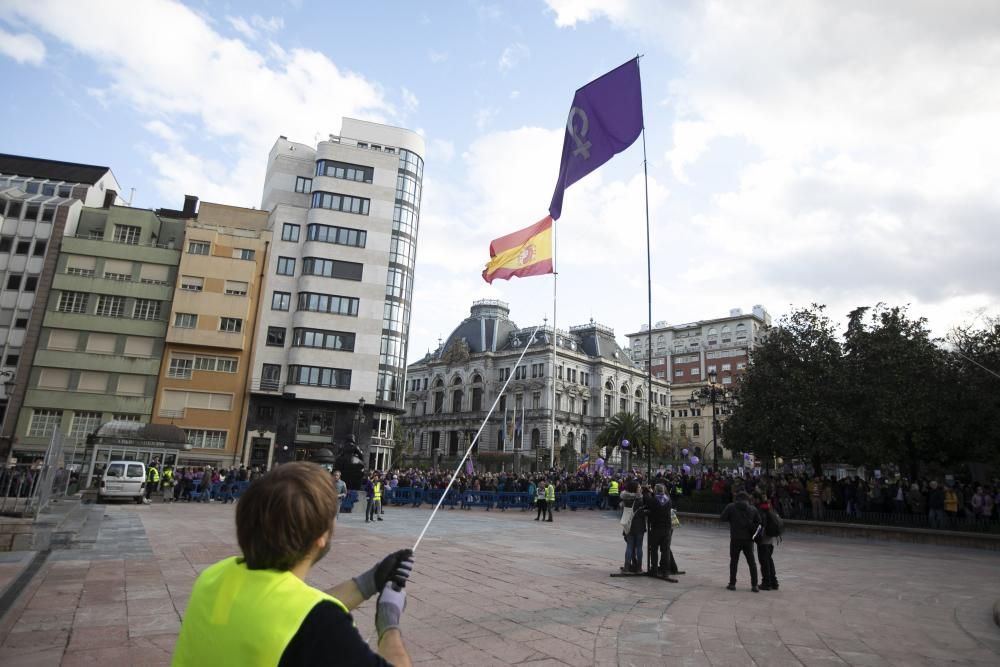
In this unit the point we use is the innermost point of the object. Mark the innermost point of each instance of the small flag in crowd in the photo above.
(604, 120)
(469, 467)
(584, 462)
(527, 252)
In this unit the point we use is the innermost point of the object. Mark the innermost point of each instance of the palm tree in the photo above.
(625, 426)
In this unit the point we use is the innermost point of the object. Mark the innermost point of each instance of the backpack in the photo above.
(773, 525)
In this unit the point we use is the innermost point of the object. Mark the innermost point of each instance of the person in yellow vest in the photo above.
(550, 498)
(613, 494)
(258, 610)
(152, 480)
(167, 483)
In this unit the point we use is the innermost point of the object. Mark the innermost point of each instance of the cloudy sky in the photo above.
(799, 151)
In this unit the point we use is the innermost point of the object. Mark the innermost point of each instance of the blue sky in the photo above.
(799, 151)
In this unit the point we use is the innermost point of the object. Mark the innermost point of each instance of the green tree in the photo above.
(896, 375)
(627, 426)
(792, 398)
(974, 398)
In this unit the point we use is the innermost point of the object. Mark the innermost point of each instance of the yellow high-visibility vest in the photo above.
(378, 490)
(244, 616)
(613, 489)
(550, 493)
(153, 475)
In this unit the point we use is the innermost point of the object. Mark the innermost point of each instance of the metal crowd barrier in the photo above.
(580, 500)
(485, 499)
(514, 500)
(433, 495)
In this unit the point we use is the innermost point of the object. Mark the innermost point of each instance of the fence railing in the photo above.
(26, 490)
(957, 522)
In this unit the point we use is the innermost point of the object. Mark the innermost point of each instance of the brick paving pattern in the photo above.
(496, 588)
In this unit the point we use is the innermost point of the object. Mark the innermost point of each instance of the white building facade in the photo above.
(330, 349)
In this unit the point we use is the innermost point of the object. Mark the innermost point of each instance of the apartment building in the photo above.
(103, 328)
(38, 199)
(203, 376)
(330, 350)
(688, 355)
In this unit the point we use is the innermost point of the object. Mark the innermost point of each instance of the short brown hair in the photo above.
(283, 513)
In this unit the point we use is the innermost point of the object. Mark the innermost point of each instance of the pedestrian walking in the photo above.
(744, 521)
(772, 528)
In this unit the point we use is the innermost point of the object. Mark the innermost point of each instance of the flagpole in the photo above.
(649, 312)
(555, 338)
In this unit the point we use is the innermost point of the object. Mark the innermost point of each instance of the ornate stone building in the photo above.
(451, 390)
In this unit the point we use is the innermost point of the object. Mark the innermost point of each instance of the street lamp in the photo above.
(359, 417)
(7, 378)
(715, 395)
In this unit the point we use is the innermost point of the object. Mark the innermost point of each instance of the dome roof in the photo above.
(485, 330)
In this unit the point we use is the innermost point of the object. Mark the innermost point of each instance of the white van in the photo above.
(123, 479)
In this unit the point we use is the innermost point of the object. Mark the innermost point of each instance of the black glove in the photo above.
(395, 567)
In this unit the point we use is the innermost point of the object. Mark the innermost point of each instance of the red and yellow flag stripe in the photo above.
(527, 252)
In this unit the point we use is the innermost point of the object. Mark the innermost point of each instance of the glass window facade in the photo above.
(328, 303)
(318, 376)
(338, 202)
(344, 170)
(331, 268)
(338, 235)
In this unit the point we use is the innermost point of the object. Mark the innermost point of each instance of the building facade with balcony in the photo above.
(451, 390)
(38, 199)
(203, 377)
(102, 331)
(686, 355)
(330, 350)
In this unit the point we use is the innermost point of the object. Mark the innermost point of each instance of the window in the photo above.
(199, 247)
(84, 423)
(315, 421)
(6, 243)
(205, 439)
(127, 234)
(290, 232)
(695, 372)
(244, 253)
(31, 283)
(316, 376)
(345, 170)
(12, 359)
(22, 247)
(192, 283)
(111, 306)
(73, 302)
(31, 213)
(286, 266)
(122, 417)
(304, 185)
(39, 248)
(231, 324)
(710, 369)
(270, 377)
(185, 320)
(276, 336)
(265, 412)
(236, 288)
(21, 323)
(331, 268)
(102, 343)
(14, 281)
(328, 303)
(727, 367)
(338, 235)
(53, 378)
(62, 339)
(180, 367)
(344, 203)
(146, 309)
(44, 423)
(679, 373)
(281, 300)
(329, 340)
(727, 380)
(154, 274)
(139, 346)
(218, 364)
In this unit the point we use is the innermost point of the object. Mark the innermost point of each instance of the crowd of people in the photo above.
(197, 483)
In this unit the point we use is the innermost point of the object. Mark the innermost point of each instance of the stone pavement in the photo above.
(495, 588)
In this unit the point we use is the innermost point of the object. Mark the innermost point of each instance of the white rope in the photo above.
(476, 439)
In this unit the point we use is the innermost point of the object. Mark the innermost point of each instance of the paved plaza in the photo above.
(494, 588)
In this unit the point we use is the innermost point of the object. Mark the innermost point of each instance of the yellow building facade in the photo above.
(203, 380)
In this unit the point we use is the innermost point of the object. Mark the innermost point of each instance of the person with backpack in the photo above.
(744, 522)
(773, 527)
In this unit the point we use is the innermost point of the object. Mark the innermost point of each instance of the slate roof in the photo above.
(53, 170)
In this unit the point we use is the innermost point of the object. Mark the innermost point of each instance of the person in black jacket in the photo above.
(744, 520)
(660, 529)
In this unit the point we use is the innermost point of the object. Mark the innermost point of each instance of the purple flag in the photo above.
(605, 119)
(468, 467)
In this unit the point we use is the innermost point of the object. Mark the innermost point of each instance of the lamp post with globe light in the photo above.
(716, 396)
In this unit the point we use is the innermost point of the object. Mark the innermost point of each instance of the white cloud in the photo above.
(410, 101)
(831, 152)
(238, 98)
(272, 24)
(484, 117)
(513, 56)
(436, 56)
(162, 130)
(23, 47)
(257, 24)
(242, 26)
(514, 94)
(440, 150)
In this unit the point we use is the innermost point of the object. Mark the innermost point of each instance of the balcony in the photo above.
(265, 386)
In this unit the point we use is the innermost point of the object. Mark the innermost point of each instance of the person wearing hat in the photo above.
(744, 523)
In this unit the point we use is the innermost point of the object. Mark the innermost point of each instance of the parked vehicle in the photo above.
(123, 479)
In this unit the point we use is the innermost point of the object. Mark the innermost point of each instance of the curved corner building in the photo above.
(330, 349)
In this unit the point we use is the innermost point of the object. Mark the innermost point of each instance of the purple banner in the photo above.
(605, 119)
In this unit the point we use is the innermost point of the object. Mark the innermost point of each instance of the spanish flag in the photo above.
(527, 252)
